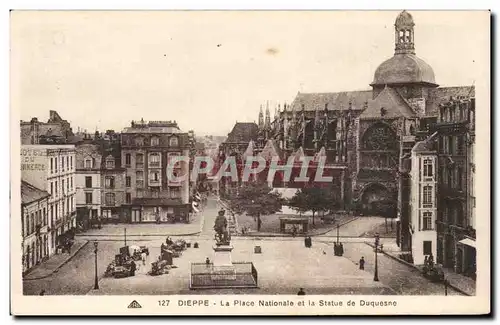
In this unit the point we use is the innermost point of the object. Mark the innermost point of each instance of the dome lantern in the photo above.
(404, 34)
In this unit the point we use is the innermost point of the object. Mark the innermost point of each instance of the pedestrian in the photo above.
(426, 260)
(362, 263)
(301, 292)
(42, 293)
(294, 231)
(207, 261)
(431, 261)
(143, 257)
(133, 267)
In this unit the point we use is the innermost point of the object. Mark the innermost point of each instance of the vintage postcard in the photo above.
(250, 162)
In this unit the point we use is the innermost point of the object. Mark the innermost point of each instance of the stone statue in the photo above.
(222, 236)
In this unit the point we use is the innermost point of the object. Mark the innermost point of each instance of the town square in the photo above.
(369, 191)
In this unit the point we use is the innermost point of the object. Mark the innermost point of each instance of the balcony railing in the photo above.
(154, 182)
(139, 165)
(154, 164)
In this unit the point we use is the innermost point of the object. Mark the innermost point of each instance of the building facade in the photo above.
(456, 226)
(88, 183)
(34, 225)
(423, 205)
(147, 149)
(52, 168)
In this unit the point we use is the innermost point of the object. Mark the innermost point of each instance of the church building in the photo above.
(368, 136)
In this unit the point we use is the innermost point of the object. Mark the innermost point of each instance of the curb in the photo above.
(60, 265)
(416, 268)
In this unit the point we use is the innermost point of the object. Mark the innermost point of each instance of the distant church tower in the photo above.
(261, 118)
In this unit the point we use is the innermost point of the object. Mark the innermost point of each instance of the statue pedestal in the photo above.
(223, 267)
(222, 256)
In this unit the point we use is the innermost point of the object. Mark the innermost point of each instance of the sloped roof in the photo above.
(394, 105)
(31, 193)
(423, 146)
(243, 132)
(335, 101)
(442, 95)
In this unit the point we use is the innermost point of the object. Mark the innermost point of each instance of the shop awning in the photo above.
(468, 242)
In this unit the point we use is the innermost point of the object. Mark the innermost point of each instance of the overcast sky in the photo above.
(207, 70)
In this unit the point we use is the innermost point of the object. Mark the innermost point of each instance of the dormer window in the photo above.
(174, 142)
(88, 163)
(155, 141)
(110, 163)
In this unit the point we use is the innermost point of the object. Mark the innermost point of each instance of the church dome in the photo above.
(404, 69)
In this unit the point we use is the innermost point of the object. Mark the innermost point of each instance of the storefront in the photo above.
(466, 257)
(159, 211)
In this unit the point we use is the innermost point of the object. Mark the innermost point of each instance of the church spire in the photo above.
(261, 118)
(404, 34)
(268, 116)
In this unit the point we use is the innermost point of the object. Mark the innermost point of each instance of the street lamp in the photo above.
(96, 282)
(338, 227)
(377, 239)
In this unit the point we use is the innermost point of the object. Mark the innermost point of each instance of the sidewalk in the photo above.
(142, 230)
(458, 282)
(54, 263)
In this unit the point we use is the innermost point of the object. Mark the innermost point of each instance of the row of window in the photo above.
(110, 198)
(65, 163)
(456, 113)
(153, 160)
(66, 186)
(452, 144)
(91, 163)
(38, 217)
(155, 141)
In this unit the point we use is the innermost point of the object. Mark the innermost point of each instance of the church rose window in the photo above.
(380, 137)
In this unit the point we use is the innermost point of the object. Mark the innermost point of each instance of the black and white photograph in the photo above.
(250, 162)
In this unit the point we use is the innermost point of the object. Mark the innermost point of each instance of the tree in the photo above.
(313, 199)
(255, 199)
(386, 209)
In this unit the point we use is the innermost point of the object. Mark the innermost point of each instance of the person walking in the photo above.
(301, 292)
(362, 263)
(133, 267)
(143, 258)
